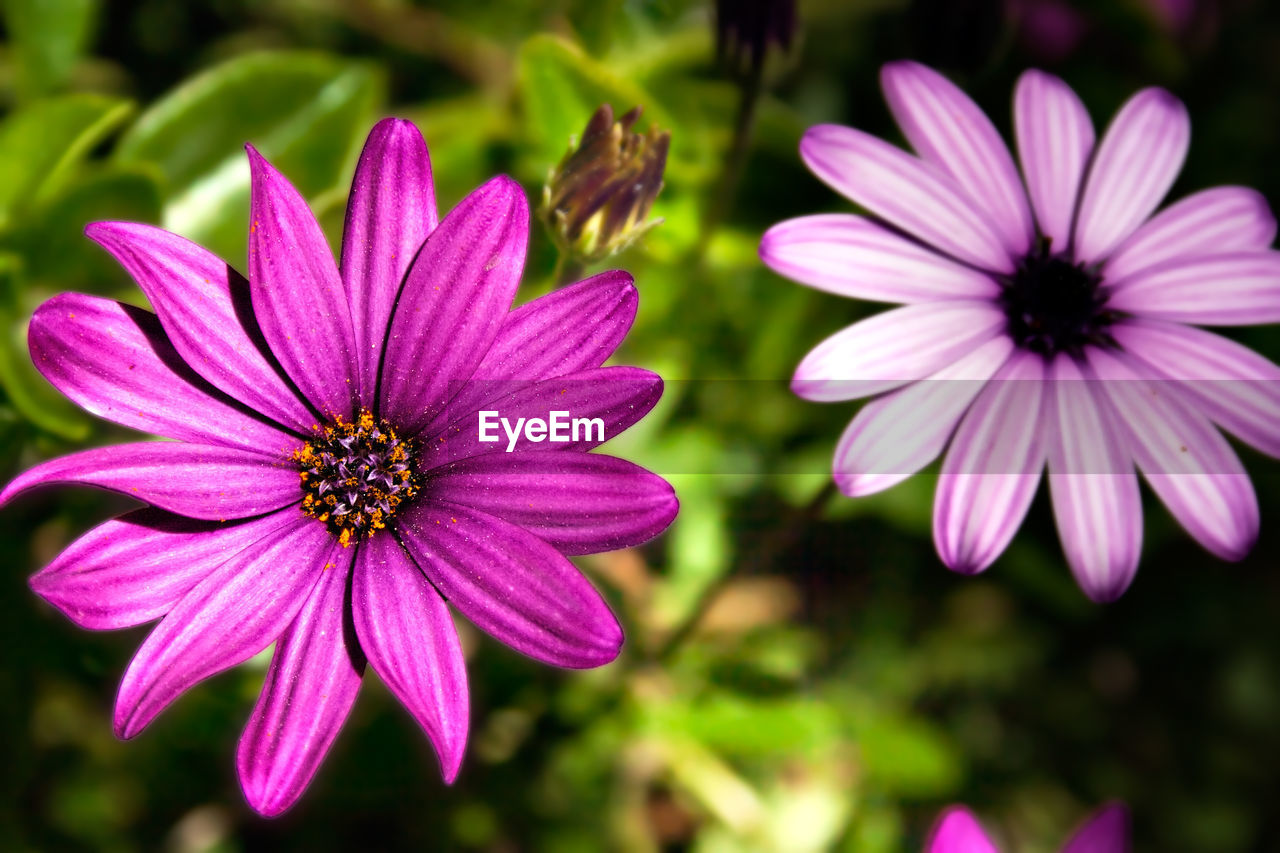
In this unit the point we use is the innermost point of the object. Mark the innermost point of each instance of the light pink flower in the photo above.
(958, 831)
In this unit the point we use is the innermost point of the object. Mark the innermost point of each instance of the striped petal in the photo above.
(1055, 140)
(1240, 289)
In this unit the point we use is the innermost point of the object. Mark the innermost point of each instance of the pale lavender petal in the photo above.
(617, 396)
(407, 632)
(958, 831)
(1107, 831)
(297, 293)
(993, 467)
(901, 189)
(230, 616)
(1211, 222)
(196, 480)
(1240, 289)
(895, 436)
(947, 128)
(855, 257)
(512, 585)
(895, 347)
(114, 361)
(1055, 139)
(1136, 162)
(1091, 480)
(581, 503)
(453, 303)
(570, 329)
(391, 210)
(310, 687)
(135, 568)
(1238, 389)
(1188, 463)
(205, 309)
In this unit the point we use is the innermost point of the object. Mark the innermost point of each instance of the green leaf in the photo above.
(40, 145)
(47, 38)
(306, 112)
(908, 757)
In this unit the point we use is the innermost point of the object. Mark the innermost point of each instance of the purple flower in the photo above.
(958, 831)
(327, 490)
(1009, 284)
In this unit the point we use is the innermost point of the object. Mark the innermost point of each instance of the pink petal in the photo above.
(1107, 831)
(1188, 463)
(1210, 222)
(405, 628)
(855, 257)
(1239, 289)
(114, 360)
(580, 503)
(309, 690)
(958, 831)
(1091, 481)
(893, 348)
(1055, 139)
(195, 480)
(993, 467)
(896, 435)
(390, 212)
(135, 568)
(512, 585)
(205, 309)
(454, 301)
(230, 616)
(1238, 389)
(947, 128)
(1137, 161)
(913, 195)
(297, 293)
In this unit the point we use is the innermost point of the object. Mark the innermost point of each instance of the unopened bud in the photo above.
(597, 199)
(745, 29)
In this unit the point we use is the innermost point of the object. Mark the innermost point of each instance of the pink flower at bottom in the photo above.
(958, 831)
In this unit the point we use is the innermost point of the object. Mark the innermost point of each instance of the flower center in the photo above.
(1055, 305)
(356, 475)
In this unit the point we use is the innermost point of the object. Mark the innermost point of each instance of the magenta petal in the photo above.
(310, 687)
(1055, 138)
(391, 210)
(1188, 463)
(204, 308)
(297, 293)
(1240, 289)
(454, 301)
(581, 503)
(904, 191)
(895, 436)
(1238, 389)
(948, 129)
(1107, 831)
(958, 831)
(1092, 483)
(893, 348)
(407, 632)
(855, 257)
(1210, 222)
(618, 396)
(1135, 164)
(512, 585)
(993, 467)
(135, 568)
(115, 361)
(230, 616)
(195, 480)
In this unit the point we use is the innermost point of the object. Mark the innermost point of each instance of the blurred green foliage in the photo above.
(834, 697)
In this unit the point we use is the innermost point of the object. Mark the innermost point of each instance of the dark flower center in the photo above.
(356, 475)
(1055, 305)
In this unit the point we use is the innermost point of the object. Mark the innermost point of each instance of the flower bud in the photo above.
(745, 29)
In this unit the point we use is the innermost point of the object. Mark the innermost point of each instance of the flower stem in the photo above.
(568, 269)
(775, 543)
(736, 161)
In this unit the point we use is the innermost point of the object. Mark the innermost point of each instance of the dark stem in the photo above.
(774, 545)
(736, 161)
(568, 270)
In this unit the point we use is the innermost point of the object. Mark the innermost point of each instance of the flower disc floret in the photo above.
(1055, 305)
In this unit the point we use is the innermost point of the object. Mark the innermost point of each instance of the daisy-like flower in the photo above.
(958, 831)
(1049, 315)
(328, 488)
